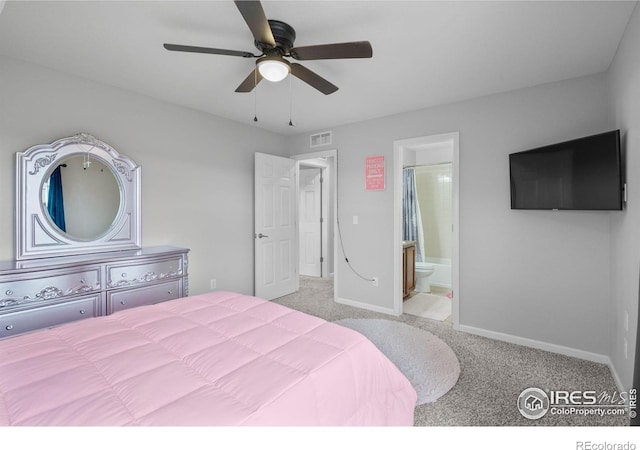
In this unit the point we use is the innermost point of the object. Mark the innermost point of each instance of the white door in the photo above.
(275, 229)
(310, 222)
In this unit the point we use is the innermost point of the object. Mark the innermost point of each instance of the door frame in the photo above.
(399, 149)
(332, 186)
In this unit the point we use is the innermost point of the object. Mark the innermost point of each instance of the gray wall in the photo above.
(624, 82)
(197, 169)
(537, 275)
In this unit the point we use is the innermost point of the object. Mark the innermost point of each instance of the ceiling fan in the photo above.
(274, 39)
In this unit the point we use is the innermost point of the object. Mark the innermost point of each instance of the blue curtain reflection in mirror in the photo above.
(55, 201)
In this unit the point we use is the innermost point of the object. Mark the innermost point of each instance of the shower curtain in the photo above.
(55, 203)
(412, 218)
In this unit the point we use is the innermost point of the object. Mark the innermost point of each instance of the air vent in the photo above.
(319, 139)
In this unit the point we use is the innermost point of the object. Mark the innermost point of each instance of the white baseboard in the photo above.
(616, 377)
(553, 348)
(355, 304)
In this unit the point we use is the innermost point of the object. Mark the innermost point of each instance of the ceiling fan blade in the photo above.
(253, 14)
(250, 82)
(359, 49)
(313, 79)
(213, 51)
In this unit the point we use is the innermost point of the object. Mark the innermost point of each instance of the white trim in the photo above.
(318, 154)
(540, 345)
(553, 348)
(397, 227)
(398, 163)
(616, 377)
(455, 205)
(367, 306)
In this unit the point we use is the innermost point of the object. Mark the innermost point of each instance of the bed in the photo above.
(219, 358)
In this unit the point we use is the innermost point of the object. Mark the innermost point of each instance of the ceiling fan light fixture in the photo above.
(273, 68)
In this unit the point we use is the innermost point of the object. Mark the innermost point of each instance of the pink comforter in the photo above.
(214, 359)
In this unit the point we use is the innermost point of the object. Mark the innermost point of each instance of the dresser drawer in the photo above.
(48, 316)
(148, 295)
(47, 286)
(132, 274)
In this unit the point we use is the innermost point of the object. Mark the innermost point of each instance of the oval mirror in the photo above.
(76, 195)
(81, 197)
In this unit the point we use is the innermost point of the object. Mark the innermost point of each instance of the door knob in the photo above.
(260, 236)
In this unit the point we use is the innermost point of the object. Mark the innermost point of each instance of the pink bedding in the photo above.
(214, 359)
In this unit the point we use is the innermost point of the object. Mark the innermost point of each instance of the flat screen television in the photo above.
(581, 174)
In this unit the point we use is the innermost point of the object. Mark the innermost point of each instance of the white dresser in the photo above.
(46, 292)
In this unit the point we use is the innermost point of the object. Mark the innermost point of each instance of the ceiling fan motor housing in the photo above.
(284, 35)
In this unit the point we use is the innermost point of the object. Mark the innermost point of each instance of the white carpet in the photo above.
(428, 306)
(427, 361)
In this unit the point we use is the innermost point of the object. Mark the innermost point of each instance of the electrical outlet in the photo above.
(375, 281)
(625, 348)
(213, 283)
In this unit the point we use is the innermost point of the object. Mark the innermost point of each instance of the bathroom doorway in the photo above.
(428, 225)
(426, 201)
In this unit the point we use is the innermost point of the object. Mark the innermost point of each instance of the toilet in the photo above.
(423, 272)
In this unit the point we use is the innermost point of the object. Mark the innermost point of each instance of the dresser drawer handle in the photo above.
(9, 292)
(169, 292)
(82, 281)
(83, 311)
(123, 302)
(9, 327)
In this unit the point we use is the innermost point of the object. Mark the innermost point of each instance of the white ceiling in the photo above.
(424, 53)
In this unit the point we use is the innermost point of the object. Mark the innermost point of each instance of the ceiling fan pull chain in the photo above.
(290, 102)
(255, 95)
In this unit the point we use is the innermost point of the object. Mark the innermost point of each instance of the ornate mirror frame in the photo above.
(37, 236)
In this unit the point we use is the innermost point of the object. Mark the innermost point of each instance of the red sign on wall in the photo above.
(374, 173)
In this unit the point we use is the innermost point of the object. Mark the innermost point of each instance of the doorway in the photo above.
(438, 151)
(317, 215)
(276, 228)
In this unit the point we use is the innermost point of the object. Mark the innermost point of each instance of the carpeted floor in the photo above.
(493, 373)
